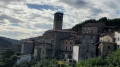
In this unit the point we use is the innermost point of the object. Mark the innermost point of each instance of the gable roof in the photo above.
(108, 34)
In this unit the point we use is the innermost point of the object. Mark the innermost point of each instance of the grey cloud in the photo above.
(77, 3)
(11, 19)
(7, 1)
(95, 11)
(112, 4)
(43, 26)
(83, 4)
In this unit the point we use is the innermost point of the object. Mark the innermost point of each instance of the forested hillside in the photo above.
(4, 44)
(108, 22)
(8, 43)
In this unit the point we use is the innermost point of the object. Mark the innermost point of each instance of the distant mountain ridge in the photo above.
(7, 42)
(13, 41)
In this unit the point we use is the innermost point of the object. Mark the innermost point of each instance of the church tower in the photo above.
(58, 20)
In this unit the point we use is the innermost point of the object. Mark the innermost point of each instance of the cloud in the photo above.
(76, 3)
(28, 18)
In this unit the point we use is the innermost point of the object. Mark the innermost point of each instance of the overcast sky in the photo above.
(21, 19)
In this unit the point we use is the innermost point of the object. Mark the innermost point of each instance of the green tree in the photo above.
(103, 19)
(46, 63)
(7, 58)
(24, 64)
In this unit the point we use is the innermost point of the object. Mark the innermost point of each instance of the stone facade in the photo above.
(27, 48)
(93, 28)
(67, 46)
(87, 40)
(106, 44)
(58, 20)
(87, 47)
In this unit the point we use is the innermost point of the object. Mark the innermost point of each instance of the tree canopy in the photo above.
(108, 22)
(7, 58)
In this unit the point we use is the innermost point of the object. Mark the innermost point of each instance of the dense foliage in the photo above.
(24, 64)
(7, 58)
(112, 60)
(46, 63)
(108, 22)
(50, 63)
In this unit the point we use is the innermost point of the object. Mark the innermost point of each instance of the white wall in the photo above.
(117, 39)
(22, 58)
(76, 53)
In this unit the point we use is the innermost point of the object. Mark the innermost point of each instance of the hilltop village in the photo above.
(94, 39)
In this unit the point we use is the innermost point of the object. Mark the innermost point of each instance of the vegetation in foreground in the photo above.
(7, 58)
(112, 60)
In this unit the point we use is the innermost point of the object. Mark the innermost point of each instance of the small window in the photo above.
(118, 38)
(70, 42)
(66, 42)
(70, 48)
(66, 48)
(43, 52)
(52, 41)
(91, 37)
(87, 51)
(118, 46)
(108, 47)
(51, 46)
(86, 57)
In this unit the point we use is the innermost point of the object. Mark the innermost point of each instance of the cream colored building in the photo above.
(106, 44)
(117, 38)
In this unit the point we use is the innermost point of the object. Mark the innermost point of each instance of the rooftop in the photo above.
(97, 24)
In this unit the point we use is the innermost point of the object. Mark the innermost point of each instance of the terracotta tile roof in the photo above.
(99, 24)
(109, 34)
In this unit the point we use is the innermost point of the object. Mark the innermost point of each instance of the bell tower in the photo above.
(58, 20)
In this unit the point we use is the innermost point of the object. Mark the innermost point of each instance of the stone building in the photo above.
(117, 38)
(58, 21)
(67, 47)
(27, 47)
(53, 37)
(87, 43)
(93, 28)
(88, 39)
(43, 50)
(87, 47)
(29, 44)
(106, 44)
